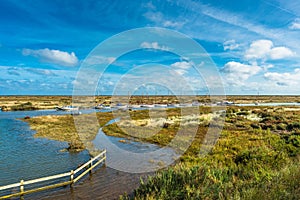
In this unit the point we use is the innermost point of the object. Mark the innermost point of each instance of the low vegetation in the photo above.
(256, 156)
(251, 160)
(8, 103)
(62, 128)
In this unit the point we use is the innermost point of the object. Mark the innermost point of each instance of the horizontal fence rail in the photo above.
(74, 176)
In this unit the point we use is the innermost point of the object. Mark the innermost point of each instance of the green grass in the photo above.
(246, 163)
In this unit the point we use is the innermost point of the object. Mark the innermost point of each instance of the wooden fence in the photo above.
(74, 176)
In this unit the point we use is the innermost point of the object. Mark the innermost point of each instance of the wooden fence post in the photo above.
(82, 171)
(91, 165)
(22, 188)
(72, 178)
(104, 155)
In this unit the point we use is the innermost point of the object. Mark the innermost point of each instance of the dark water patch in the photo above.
(105, 183)
(25, 157)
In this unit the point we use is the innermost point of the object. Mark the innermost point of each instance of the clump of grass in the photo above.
(62, 128)
(24, 106)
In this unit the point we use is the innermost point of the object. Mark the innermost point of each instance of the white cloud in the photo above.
(263, 49)
(284, 79)
(280, 53)
(267, 66)
(295, 25)
(53, 56)
(154, 45)
(159, 19)
(171, 24)
(230, 45)
(237, 73)
(182, 67)
(259, 49)
(180, 71)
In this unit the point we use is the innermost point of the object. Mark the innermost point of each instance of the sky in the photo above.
(254, 45)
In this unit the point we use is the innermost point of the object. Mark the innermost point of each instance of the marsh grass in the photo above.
(246, 163)
(62, 128)
(257, 155)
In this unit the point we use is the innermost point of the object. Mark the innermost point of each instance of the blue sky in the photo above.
(254, 44)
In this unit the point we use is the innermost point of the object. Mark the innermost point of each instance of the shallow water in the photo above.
(25, 157)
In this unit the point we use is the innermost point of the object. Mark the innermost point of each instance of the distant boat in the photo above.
(106, 107)
(100, 106)
(226, 103)
(171, 105)
(134, 106)
(196, 103)
(160, 105)
(185, 105)
(147, 106)
(176, 105)
(103, 107)
(68, 108)
(120, 106)
(76, 113)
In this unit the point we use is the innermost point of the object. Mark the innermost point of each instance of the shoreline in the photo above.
(252, 139)
(34, 102)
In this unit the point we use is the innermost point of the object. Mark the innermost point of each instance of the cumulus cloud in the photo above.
(284, 79)
(230, 45)
(280, 53)
(182, 67)
(259, 49)
(264, 49)
(295, 25)
(53, 56)
(237, 73)
(154, 45)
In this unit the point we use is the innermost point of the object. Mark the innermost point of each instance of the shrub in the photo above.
(255, 126)
(281, 127)
(293, 126)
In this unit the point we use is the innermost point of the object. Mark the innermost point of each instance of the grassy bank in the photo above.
(62, 128)
(256, 156)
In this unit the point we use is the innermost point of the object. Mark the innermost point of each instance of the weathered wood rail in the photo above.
(74, 176)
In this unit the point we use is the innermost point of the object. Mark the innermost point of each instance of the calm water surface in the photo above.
(24, 157)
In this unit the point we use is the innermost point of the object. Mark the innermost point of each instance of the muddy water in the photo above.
(104, 183)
